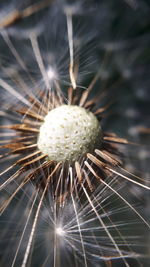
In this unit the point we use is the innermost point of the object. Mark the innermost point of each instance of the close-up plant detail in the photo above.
(74, 134)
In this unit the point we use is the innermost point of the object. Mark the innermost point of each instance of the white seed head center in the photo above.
(68, 133)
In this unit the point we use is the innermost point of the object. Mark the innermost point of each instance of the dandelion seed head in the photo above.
(60, 231)
(52, 75)
(69, 132)
(70, 9)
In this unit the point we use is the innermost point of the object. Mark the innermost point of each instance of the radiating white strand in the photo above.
(5, 204)
(133, 175)
(13, 50)
(35, 219)
(13, 92)
(80, 233)
(55, 239)
(127, 178)
(115, 226)
(105, 228)
(39, 59)
(11, 178)
(33, 230)
(102, 181)
(25, 227)
(20, 62)
(70, 39)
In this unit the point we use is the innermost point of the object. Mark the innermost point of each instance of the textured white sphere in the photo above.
(68, 133)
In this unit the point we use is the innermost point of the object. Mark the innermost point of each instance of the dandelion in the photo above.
(60, 160)
(54, 136)
(62, 149)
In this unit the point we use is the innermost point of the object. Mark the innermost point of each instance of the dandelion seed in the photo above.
(55, 147)
(51, 74)
(60, 231)
(67, 134)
